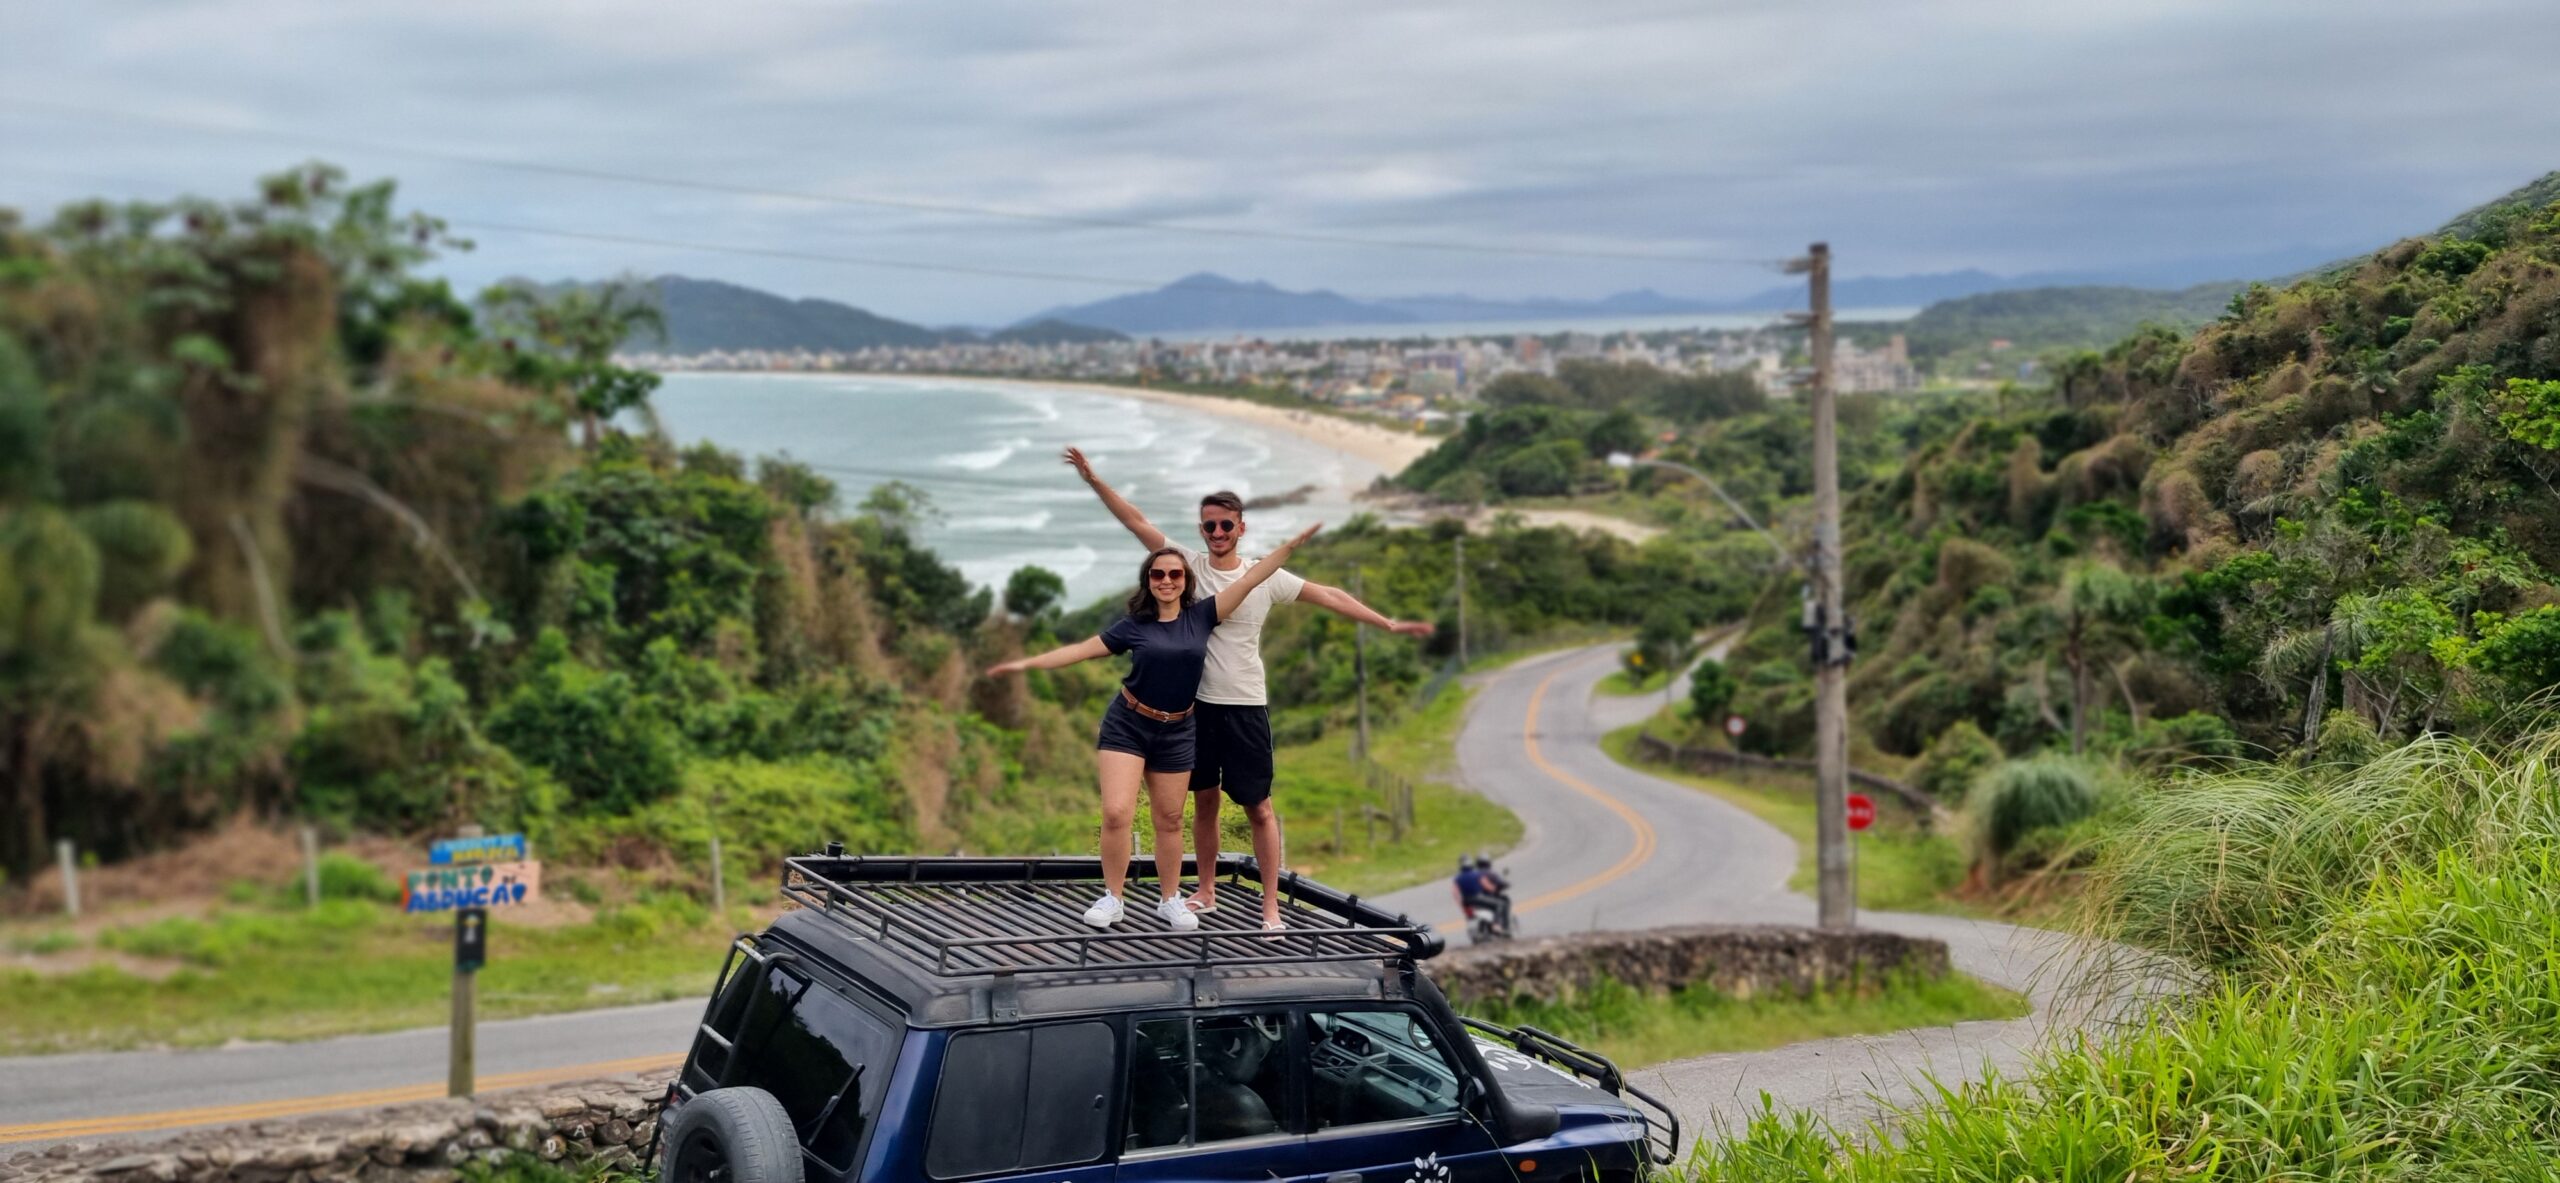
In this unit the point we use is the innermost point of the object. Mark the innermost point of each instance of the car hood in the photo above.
(1526, 1078)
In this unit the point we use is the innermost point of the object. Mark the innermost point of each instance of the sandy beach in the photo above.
(1389, 448)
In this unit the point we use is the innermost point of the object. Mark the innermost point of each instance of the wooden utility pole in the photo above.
(1462, 601)
(1829, 640)
(1360, 663)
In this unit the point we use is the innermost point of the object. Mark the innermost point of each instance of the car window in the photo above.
(1214, 1079)
(1376, 1065)
(1022, 1099)
(827, 1060)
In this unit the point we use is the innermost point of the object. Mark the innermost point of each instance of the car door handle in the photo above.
(1343, 1177)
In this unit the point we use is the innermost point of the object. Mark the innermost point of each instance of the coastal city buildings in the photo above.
(1417, 378)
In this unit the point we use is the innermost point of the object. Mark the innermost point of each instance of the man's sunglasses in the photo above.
(1159, 573)
(1220, 526)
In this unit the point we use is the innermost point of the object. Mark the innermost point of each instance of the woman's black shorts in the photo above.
(1166, 747)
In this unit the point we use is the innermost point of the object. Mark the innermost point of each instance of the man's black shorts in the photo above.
(1167, 747)
(1235, 752)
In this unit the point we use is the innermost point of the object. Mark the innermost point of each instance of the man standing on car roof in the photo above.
(1234, 744)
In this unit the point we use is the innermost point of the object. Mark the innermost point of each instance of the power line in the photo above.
(873, 201)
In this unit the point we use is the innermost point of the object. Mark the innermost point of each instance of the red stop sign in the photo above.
(1862, 811)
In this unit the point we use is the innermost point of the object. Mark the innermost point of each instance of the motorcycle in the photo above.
(1486, 925)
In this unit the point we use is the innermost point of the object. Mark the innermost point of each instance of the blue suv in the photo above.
(952, 1019)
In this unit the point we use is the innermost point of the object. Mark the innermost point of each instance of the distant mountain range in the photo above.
(707, 315)
(1207, 302)
(2039, 308)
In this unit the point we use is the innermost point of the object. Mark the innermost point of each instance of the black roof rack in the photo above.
(957, 917)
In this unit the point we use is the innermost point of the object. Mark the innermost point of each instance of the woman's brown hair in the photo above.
(1142, 602)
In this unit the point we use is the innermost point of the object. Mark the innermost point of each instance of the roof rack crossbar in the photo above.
(969, 916)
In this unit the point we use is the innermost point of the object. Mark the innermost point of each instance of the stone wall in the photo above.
(1737, 959)
(606, 1120)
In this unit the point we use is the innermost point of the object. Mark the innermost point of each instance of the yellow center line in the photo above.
(1639, 851)
(167, 1119)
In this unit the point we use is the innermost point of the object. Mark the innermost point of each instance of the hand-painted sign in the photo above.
(494, 848)
(477, 885)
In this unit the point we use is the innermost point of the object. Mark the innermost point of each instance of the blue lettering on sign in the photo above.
(447, 899)
(493, 848)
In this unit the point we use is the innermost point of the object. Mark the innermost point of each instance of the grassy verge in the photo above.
(1619, 685)
(349, 966)
(1320, 781)
(1638, 1027)
(259, 967)
(2371, 949)
(1900, 867)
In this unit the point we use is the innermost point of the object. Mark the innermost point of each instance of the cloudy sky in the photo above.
(1639, 144)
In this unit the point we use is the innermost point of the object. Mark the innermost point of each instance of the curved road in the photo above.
(1604, 847)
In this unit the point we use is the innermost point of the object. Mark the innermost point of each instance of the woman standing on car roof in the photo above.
(1147, 732)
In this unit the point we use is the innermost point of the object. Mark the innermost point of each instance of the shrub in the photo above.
(1033, 591)
(1954, 760)
(595, 731)
(2023, 796)
(346, 877)
(2191, 738)
(1711, 689)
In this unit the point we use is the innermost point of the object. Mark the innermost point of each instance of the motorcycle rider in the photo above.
(1479, 886)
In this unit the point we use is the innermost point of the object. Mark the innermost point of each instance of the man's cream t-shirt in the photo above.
(1234, 673)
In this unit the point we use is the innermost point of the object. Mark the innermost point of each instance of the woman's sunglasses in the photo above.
(1220, 526)
(1159, 573)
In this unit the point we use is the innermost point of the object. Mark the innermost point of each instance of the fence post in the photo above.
(719, 882)
(310, 867)
(62, 854)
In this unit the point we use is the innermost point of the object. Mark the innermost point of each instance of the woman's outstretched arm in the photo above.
(1064, 655)
(1232, 596)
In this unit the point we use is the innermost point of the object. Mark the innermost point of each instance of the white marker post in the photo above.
(310, 867)
(719, 882)
(63, 854)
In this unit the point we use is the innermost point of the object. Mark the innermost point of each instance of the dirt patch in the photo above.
(192, 877)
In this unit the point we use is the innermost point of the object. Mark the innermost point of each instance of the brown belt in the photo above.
(1151, 712)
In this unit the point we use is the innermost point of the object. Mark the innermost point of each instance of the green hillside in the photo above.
(2036, 319)
(2330, 512)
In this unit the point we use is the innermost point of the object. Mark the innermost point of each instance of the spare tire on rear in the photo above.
(733, 1135)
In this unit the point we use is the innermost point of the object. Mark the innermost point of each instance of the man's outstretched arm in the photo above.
(1148, 535)
(1347, 606)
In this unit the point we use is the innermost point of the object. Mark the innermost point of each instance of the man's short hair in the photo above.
(1225, 500)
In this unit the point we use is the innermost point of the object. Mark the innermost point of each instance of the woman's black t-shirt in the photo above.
(1165, 656)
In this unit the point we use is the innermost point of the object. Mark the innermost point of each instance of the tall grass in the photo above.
(2377, 952)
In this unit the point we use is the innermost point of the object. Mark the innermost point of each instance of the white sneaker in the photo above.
(1105, 912)
(1177, 916)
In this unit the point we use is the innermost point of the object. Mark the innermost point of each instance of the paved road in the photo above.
(1605, 847)
(1609, 847)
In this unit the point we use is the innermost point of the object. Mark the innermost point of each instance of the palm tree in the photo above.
(578, 330)
(2096, 605)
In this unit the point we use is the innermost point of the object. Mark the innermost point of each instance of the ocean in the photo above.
(987, 455)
